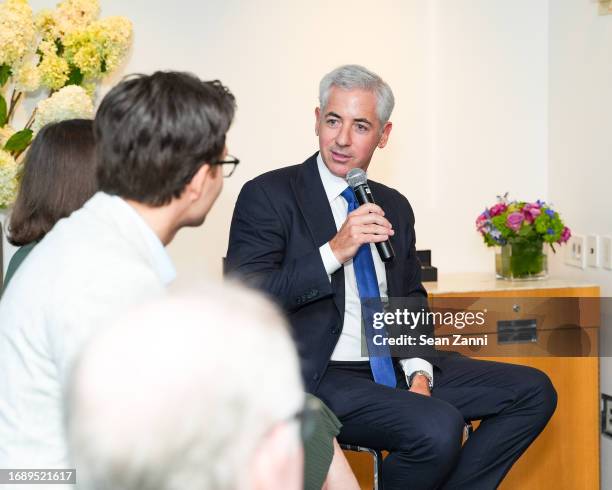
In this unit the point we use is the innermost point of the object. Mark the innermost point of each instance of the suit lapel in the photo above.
(314, 206)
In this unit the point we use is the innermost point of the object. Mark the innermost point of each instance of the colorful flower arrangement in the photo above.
(65, 52)
(508, 221)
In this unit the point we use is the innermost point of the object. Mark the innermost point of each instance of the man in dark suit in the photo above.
(298, 234)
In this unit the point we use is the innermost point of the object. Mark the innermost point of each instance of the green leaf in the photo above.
(75, 77)
(19, 141)
(3, 111)
(5, 74)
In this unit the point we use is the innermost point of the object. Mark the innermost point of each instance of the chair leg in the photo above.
(468, 430)
(378, 461)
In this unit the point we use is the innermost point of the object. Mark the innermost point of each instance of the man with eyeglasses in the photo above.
(160, 142)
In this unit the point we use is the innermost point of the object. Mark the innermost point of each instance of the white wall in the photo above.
(490, 121)
(580, 145)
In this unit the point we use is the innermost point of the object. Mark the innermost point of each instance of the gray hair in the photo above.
(180, 392)
(350, 77)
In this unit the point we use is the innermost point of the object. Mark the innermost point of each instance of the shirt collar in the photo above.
(332, 184)
(160, 260)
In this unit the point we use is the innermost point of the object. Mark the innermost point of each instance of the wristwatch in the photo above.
(422, 373)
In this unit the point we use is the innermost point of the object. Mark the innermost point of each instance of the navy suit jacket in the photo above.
(280, 220)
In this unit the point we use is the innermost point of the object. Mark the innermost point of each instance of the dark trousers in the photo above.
(423, 434)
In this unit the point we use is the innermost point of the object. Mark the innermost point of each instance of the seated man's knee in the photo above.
(439, 439)
(539, 387)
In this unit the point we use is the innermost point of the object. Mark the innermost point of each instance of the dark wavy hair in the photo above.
(59, 175)
(154, 132)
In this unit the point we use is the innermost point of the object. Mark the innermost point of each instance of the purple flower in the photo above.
(531, 212)
(514, 221)
(565, 235)
(550, 231)
(498, 209)
(550, 212)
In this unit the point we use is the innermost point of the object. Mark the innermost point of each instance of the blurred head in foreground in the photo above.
(197, 391)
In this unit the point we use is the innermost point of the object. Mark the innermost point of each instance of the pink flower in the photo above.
(531, 212)
(481, 223)
(565, 235)
(498, 209)
(514, 221)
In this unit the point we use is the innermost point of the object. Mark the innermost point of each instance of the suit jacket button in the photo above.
(335, 330)
(316, 376)
(298, 300)
(314, 293)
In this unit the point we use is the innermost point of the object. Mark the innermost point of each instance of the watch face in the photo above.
(422, 373)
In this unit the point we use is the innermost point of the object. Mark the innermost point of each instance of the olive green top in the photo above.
(319, 447)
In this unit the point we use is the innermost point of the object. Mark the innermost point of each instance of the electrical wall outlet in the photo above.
(606, 415)
(592, 250)
(606, 252)
(575, 251)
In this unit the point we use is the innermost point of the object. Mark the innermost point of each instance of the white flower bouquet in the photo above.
(64, 52)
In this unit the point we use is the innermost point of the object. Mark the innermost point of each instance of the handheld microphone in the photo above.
(358, 180)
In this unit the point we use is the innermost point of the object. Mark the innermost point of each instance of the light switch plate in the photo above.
(575, 251)
(592, 251)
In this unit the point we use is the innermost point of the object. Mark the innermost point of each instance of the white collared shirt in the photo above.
(160, 260)
(349, 346)
(92, 266)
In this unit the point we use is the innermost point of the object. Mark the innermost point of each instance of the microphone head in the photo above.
(356, 177)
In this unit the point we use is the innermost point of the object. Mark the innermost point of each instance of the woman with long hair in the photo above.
(59, 176)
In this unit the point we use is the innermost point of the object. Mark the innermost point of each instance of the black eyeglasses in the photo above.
(228, 165)
(306, 418)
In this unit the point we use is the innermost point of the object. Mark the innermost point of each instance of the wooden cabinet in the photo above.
(566, 454)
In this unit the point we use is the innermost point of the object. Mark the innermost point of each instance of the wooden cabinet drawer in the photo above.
(537, 326)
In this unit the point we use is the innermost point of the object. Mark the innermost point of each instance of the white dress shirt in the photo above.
(88, 269)
(349, 346)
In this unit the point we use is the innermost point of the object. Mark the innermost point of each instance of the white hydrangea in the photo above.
(73, 15)
(17, 31)
(71, 102)
(8, 179)
(27, 76)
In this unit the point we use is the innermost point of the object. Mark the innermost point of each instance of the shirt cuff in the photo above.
(416, 364)
(330, 262)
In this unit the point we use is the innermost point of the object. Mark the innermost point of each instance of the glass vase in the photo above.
(521, 260)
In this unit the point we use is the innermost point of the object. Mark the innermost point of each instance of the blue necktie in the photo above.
(369, 294)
